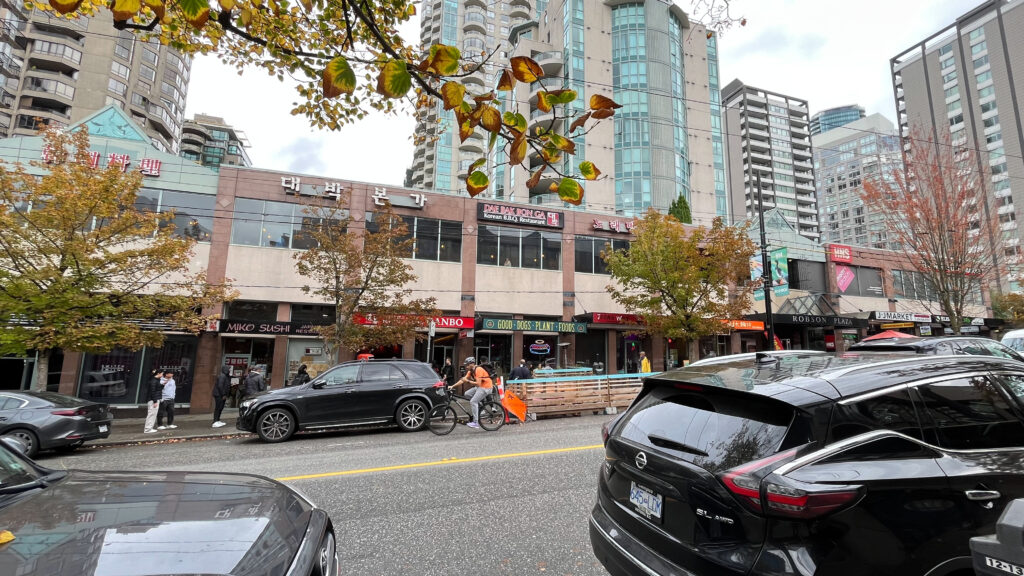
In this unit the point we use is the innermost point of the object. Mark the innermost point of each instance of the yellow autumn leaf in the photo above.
(477, 183)
(526, 69)
(506, 82)
(490, 118)
(452, 94)
(338, 78)
(125, 9)
(517, 153)
(599, 102)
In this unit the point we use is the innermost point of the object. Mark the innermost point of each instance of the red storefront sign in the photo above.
(611, 318)
(744, 324)
(840, 253)
(454, 322)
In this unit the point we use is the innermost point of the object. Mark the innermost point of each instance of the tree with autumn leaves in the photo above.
(82, 268)
(363, 274)
(939, 208)
(683, 281)
(347, 57)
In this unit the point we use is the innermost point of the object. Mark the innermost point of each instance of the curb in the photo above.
(168, 440)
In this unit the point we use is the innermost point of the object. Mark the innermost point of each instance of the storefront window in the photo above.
(591, 350)
(427, 234)
(306, 351)
(276, 231)
(246, 222)
(178, 355)
(496, 349)
(541, 350)
(487, 245)
(322, 314)
(193, 213)
(112, 377)
(246, 310)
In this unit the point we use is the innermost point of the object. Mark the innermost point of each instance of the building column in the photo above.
(657, 354)
(611, 352)
(735, 343)
(208, 363)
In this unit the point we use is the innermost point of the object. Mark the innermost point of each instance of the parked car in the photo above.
(70, 522)
(352, 393)
(50, 421)
(1014, 339)
(752, 356)
(940, 345)
(857, 463)
(1003, 552)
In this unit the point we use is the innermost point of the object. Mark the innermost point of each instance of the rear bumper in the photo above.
(623, 555)
(70, 431)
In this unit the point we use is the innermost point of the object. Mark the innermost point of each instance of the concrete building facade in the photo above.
(211, 141)
(57, 71)
(768, 141)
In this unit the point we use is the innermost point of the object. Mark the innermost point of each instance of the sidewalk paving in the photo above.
(189, 427)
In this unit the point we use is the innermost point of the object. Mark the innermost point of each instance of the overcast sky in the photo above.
(828, 52)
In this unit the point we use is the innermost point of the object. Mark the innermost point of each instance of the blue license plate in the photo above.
(646, 502)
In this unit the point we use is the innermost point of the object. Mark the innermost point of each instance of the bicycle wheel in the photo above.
(492, 416)
(441, 420)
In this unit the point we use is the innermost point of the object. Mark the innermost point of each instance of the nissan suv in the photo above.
(353, 393)
(834, 465)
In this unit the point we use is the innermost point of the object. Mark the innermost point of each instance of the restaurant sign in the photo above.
(487, 212)
(902, 316)
(612, 318)
(457, 322)
(744, 324)
(269, 328)
(533, 325)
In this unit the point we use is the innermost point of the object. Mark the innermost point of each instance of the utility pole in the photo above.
(766, 270)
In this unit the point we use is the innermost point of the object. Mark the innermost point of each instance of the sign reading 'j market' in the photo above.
(519, 215)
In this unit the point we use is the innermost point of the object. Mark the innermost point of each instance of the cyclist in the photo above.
(478, 376)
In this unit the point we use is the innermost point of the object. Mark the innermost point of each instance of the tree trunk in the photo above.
(693, 350)
(42, 371)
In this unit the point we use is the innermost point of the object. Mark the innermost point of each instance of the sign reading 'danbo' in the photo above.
(518, 215)
(840, 253)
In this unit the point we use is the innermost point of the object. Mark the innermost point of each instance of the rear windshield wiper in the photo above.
(663, 442)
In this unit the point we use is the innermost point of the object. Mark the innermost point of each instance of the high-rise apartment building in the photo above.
(844, 158)
(211, 141)
(835, 117)
(57, 71)
(963, 86)
(667, 139)
(768, 142)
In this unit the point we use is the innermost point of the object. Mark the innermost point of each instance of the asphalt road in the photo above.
(515, 501)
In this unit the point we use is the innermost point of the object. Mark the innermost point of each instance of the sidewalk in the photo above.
(189, 427)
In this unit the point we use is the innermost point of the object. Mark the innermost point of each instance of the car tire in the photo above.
(275, 425)
(28, 438)
(411, 415)
(326, 562)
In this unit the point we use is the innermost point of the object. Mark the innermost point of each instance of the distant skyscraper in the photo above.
(835, 117)
(844, 158)
(964, 85)
(767, 136)
(211, 141)
(57, 71)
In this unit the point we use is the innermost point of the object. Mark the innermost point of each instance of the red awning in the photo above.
(889, 334)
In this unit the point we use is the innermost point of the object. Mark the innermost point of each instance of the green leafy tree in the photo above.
(683, 283)
(82, 268)
(1009, 307)
(363, 274)
(347, 57)
(680, 209)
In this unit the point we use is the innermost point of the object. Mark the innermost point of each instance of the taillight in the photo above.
(604, 433)
(804, 502)
(78, 412)
(440, 384)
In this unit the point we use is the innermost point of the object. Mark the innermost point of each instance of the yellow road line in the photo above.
(440, 463)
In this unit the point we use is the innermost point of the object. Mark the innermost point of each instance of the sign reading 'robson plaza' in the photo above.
(533, 325)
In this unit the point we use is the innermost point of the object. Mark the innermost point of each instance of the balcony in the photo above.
(477, 78)
(538, 118)
(190, 128)
(480, 3)
(9, 66)
(475, 144)
(550, 62)
(191, 147)
(475, 21)
(518, 11)
(546, 199)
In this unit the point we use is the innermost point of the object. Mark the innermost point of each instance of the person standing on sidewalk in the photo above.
(152, 402)
(645, 363)
(167, 402)
(253, 384)
(448, 372)
(221, 388)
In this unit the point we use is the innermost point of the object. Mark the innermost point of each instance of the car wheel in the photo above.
(411, 415)
(326, 557)
(275, 425)
(28, 438)
(69, 448)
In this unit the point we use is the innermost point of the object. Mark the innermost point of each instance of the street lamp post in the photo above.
(766, 270)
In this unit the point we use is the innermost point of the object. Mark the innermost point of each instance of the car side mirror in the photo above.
(318, 384)
(15, 444)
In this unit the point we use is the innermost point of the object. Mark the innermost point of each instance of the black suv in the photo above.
(974, 346)
(812, 465)
(351, 393)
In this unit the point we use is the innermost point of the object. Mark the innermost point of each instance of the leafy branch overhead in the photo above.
(348, 58)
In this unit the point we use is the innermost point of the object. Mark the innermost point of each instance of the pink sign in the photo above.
(844, 276)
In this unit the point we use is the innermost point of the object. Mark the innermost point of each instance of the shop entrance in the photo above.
(243, 354)
(496, 349)
(627, 352)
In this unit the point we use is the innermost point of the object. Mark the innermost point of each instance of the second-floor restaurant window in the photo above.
(519, 248)
(272, 224)
(589, 250)
(433, 239)
(193, 213)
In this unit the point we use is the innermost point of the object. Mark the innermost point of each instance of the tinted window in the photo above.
(946, 348)
(892, 411)
(890, 448)
(419, 371)
(730, 430)
(997, 349)
(971, 413)
(1015, 384)
(974, 348)
(6, 403)
(380, 372)
(342, 375)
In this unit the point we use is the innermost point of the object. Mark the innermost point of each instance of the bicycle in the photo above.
(443, 417)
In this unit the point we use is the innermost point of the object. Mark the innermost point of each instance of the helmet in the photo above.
(469, 360)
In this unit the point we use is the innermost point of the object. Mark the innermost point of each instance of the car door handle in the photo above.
(982, 495)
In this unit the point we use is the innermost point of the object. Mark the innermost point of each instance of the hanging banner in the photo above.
(780, 271)
(844, 277)
(756, 277)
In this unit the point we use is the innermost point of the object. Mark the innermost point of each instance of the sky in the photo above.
(828, 52)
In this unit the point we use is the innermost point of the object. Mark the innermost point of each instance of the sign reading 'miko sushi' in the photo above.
(487, 212)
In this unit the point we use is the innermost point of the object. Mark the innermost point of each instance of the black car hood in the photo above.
(147, 524)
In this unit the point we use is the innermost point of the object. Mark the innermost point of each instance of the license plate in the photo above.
(646, 502)
(1004, 566)
(103, 428)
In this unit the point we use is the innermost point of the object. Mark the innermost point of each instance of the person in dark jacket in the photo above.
(221, 389)
(254, 383)
(448, 372)
(153, 391)
(301, 377)
(520, 372)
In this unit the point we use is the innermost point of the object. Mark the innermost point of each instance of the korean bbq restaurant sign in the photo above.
(504, 214)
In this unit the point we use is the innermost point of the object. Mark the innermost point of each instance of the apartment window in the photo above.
(150, 57)
(953, 106)
(945, 49)
(219, 135)
(124, 45)
(979, 62)
(138, 100)
(976, 34)
(978, 48)
(946, 63)
(988, 106)
(999, 169)
(117, 87)
(990, 122)
(993, 138)
(118, 69)
(1006, 218)
(167, 88)
(986, 92)
(213, 151)
(958, 119)
(147, 73)
(983, 77)
(952, 91)
(951, 77)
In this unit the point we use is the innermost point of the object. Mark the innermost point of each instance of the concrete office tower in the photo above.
(211, 141)
(844, 157)
(665, 141)
(476, 27)
(767, 135)
(965, 85)
(835, 117)
(57, 71)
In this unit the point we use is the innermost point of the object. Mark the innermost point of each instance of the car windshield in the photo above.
(14, 471)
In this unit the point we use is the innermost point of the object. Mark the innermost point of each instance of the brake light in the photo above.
(690, 387)
(78, 412)
(605, 433)
(745, 483)
(440, 384)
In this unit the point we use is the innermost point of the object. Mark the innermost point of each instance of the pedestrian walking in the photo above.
(166, 402)
(448, 372)
(153, 388)
(645, 363)
(221, 389)
(254, 383)
(521, 372)
(301, 377)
